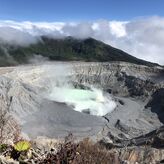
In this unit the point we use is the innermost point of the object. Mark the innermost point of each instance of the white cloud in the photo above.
(118, 28)
(142, 38)
(16, 37)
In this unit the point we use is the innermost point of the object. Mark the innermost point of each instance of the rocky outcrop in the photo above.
(143, 149)
(154, 139)
(121, 79)
(143, 155)
(156, 103)
(18, 98)
(16, 101)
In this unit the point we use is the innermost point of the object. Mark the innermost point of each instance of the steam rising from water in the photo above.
(55, 79)
(90, 101)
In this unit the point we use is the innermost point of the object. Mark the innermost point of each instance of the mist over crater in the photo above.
(54, 98)
(57, 84)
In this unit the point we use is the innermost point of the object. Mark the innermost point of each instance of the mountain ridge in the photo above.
(66, 49)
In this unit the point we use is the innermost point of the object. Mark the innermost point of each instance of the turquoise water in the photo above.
(92, 100)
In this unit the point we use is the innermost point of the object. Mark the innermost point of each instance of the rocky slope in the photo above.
(136, 89)
(37, 115)
(123, 79)
(156, 103)
(133, 86)
(26, 89)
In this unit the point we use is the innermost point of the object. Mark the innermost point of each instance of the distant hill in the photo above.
(67, 49)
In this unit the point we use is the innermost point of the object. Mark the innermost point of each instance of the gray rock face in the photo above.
(156, 103)
(134, 85)
(15, 104)
(18, 98)
(23, 92)
(39, 116)
(121, 79)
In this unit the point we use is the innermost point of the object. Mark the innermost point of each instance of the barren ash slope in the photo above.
(113, 97)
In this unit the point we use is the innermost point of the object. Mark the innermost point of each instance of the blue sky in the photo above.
(78, 10)
(135, 26)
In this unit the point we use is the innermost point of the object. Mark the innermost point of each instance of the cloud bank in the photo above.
(142, 38)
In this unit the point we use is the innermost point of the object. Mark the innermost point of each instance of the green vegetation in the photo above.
(22, 146)
(3, 147)
(68, 152)
(68, 49)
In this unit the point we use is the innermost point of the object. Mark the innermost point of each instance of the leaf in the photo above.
(22, 146)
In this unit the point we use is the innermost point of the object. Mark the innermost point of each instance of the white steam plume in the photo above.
(54, 82)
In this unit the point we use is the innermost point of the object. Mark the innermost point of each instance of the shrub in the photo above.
(94, 153)
(84, 152)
